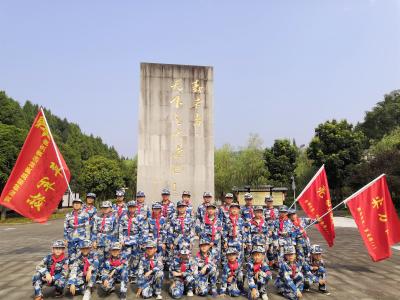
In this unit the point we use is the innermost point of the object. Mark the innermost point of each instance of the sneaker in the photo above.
(159, 297)
(190, 293)
(132, 280)
(214, 293)
(87, 294)
(122, 296)
(264, 297)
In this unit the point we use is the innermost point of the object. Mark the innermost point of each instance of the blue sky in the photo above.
(281, 67)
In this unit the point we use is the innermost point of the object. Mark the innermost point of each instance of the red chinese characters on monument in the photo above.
(36, 183)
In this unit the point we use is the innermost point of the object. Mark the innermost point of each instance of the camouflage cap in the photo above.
(316, 249)
(258, 207)
(184, 251)
(283, 208)
(106, 204)
(131, 203)
(229, 195)
(58, 244)
(120, 193)
(211, 205)
(258, 249)
(289, 250)
(207, 194)
(156, 206)
(204, 240)
(85, 244)
(77, 200)
(140, 194)
(151, 244)
(181, 203)
(248, 196)
(91, 195)
(234, 205)
(116, 246)
(268, 198)
(165, 192)
(291, 211)
(186, 193)
(232, 250)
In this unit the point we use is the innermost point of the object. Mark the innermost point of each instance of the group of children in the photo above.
(133, 243)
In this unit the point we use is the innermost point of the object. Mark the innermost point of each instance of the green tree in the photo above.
(224, 164)
(383, 118)
(339, 147)
(102, 176)
(280, 160)
(129, 174)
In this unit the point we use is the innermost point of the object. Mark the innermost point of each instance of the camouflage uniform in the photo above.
(81, 266)
(212, 229)
(284, 228)
(76, 229)
(201, 209)
(158, 230)
(142, 208)
(168, 207)
(300, 238)
(133, 231)
(290, 278)
(224, 209)
(189, 209)
(235, 287)
(105, 231)
(258, 275)
(115, 270)
(234, 235)
(91, 210)
(153, 283)
(204, 283)
(315, 270)
(119, 210)
(56, 267)
(259, 232)
(271, 215)
(187, 280)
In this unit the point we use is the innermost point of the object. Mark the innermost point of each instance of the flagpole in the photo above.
(346, 200)
(307, 186)
(56, 150)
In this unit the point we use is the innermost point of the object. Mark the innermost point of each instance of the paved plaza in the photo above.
(352, 274)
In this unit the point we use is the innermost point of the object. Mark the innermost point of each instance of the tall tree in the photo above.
(339, 147)
(224, 164)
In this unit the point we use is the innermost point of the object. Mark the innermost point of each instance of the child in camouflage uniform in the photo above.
(316, 270)
(84, 271)
(232, 275)
(182, 270)
(258, 273)
(53, 270)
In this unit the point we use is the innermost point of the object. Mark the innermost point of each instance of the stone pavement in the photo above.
(352, 274)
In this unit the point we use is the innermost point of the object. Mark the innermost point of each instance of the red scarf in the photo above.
(272, 213)
(234, 220)
(294, 269)
(233, 267)
(151, 261)
(55, 260)
(139, 207)
(259, 225)
(103, 222)
(281, 222)
(86, 265)
(182, 221)
(296, 223)
(119, 210)
(129, 224)
(256, 267)
(183, 266)
(115, 262)
(157, 218)
(207, 221)
(75, 219)
(165, 209)
(199, 255)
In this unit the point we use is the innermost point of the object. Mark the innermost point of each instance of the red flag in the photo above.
(376, 218)
(316, 201)
(36, 183)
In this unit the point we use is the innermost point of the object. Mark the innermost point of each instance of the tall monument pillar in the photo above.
(176, 131)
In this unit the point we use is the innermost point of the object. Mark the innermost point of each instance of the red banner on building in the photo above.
(315, 200)
(376, 218)
(36, 183)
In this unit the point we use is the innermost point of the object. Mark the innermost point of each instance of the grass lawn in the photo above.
(59, 214)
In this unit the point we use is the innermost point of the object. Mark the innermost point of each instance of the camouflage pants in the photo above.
(206, 282)
(38, 280)
(151, 285)
(120, 275)
(177, 289)
(133, 254)
(234, 288)
(286, 290)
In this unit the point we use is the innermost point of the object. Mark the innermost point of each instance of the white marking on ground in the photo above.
(10, 228)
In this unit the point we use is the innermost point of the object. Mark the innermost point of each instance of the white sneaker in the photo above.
(159, 297)
(87, 294)
(264, 297)
(190, 293)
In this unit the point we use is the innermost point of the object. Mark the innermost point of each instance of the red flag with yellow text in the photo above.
(36, 183)
(315, 200)
(376, 218)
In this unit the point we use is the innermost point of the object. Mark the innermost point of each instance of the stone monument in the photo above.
(176, 136)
